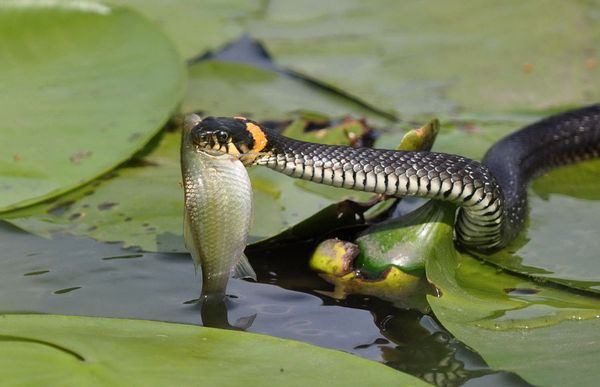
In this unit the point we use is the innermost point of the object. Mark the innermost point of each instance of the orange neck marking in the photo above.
(260, 139)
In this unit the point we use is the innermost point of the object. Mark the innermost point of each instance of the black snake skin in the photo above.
(491, 195)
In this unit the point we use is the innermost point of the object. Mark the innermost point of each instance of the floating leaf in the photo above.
(77, 99)
(546, 335)
(422, 57)
(577, 181)
(228, 89)
(197, 26)
(98, 351)
(560, 243)
(139, 205)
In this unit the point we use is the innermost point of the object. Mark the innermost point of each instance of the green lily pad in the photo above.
(560, 244)
(197, 26)
(87, 351)
(140, 204)
(77, 99)
(229, 89)
(578, 181)
(421, 57)
(546, 335)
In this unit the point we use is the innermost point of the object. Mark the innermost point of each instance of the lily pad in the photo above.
(577, 181)
(560, 244)
(197, 26)
(229, 89)
(140, 205)
(98, 351)
(422, 57)
(77, 99)
(546, 335)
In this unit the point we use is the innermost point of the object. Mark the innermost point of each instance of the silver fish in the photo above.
(217, 213)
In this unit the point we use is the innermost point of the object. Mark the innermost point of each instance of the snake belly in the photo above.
(491, 195)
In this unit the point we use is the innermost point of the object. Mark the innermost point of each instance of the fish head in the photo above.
(236, 136)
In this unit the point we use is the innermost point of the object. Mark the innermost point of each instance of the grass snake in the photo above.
(491, 195)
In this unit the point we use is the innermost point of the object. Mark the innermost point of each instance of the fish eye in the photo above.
(222, 136)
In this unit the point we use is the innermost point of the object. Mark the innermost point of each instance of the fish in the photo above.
(217, 212)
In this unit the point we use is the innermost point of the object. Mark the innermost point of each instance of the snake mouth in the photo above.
(217, 154)
(211, 152)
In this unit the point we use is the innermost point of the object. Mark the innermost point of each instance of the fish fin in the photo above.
(243, 269)
(188, 240)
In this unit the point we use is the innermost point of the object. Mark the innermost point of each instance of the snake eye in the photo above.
(198, 137)
(222, 136)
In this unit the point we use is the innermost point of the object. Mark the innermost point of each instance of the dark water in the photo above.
(79, 276)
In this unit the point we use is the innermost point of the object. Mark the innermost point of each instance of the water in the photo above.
(79, 276)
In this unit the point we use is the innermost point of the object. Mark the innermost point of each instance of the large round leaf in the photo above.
(419, 57)
(68, 350)
(84, 86)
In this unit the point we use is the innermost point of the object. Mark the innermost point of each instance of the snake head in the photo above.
(235, 136)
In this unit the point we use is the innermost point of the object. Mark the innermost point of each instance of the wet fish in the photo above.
(217, 213)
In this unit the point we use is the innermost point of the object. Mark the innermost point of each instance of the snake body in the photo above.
(491, 195)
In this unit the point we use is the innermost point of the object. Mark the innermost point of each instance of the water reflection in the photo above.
(213, 311)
